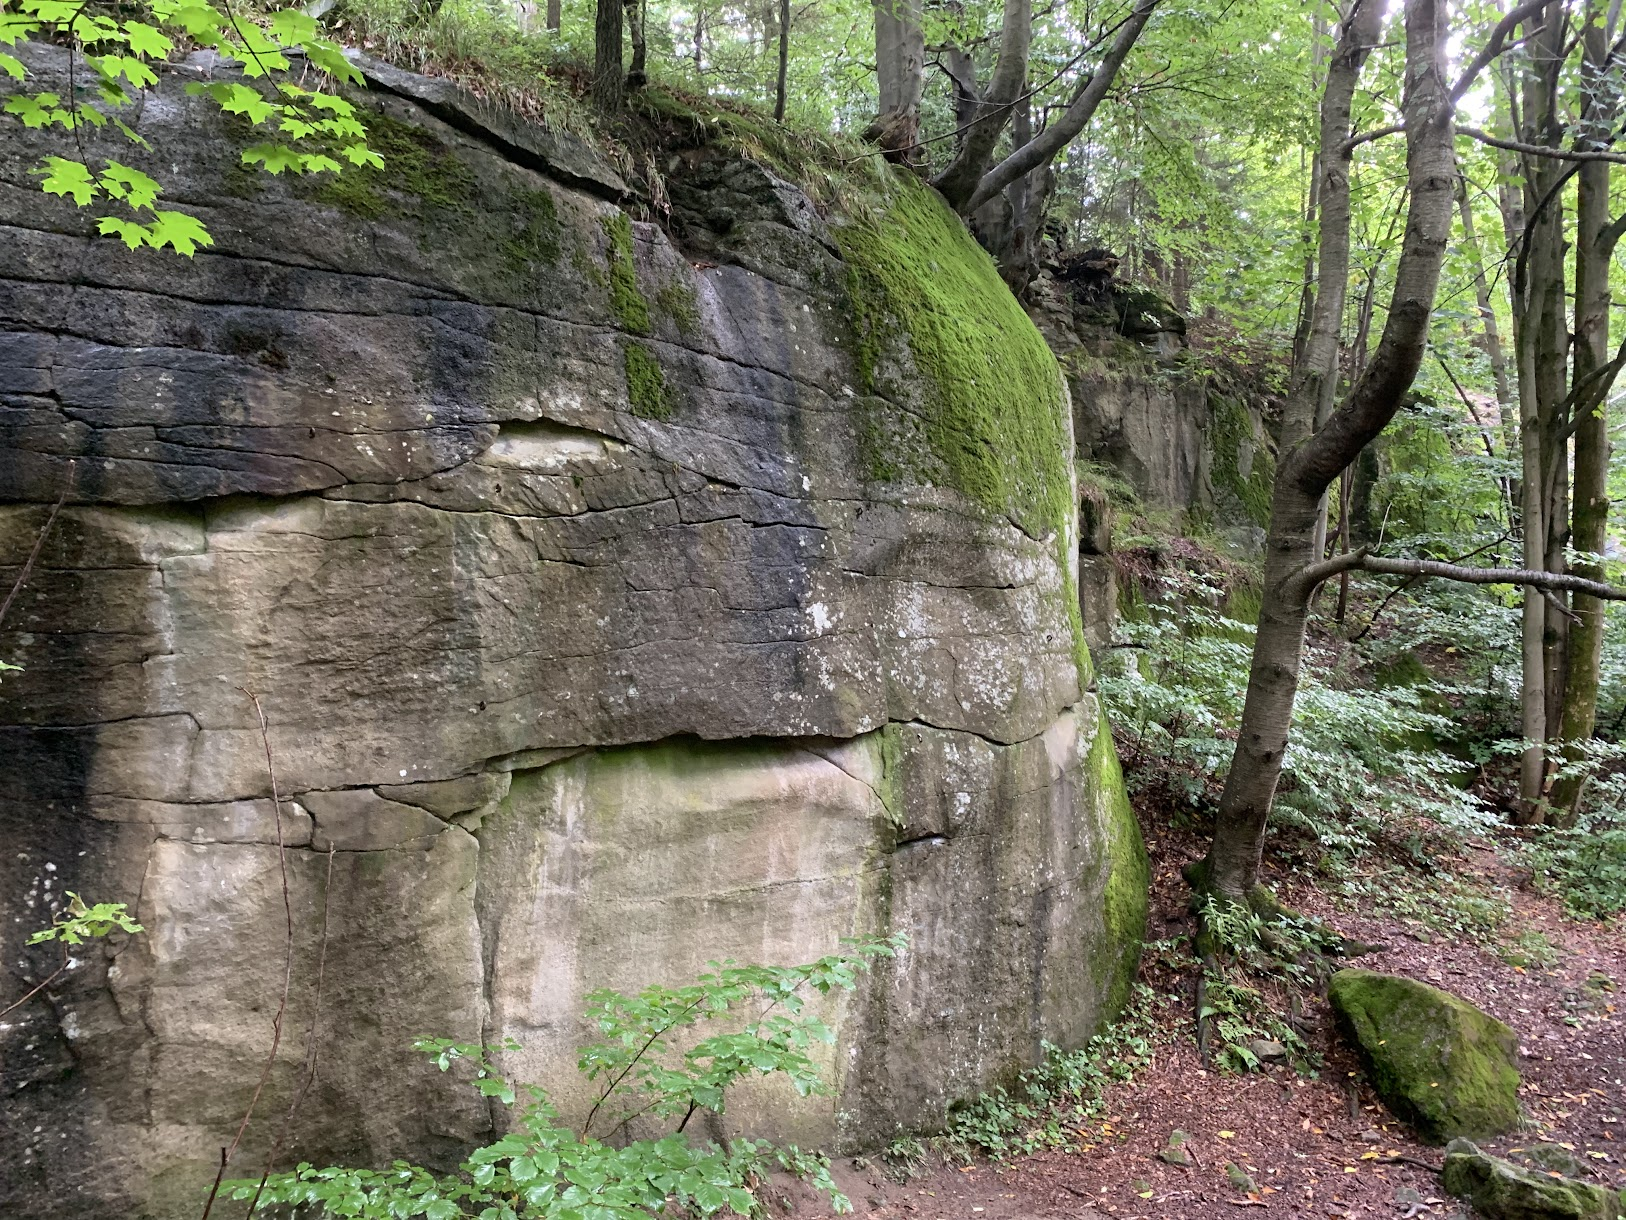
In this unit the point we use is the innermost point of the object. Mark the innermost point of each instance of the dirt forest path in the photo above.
(1324, 1146)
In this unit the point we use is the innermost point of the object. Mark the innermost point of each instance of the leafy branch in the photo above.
(314, 130)
(74, 927)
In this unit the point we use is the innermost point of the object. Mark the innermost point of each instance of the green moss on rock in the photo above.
(677, 301)
(1500, 1190)
(626, 301)
(1232, 431)
(646, 384)
(1129, 878)
(1437, 1062)
(534, 241)
(992, 423)
(418, 170)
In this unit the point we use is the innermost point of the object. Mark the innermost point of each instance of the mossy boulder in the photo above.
(1437, 1062)
(1501, 1190)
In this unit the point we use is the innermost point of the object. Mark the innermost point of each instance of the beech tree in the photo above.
(1321, 437)
(1004, 197)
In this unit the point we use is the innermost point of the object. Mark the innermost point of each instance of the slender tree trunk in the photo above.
(1490, 333)
(1044, 147)
(993, 112)
(784, 61)
(1310, 463)
(900, 67)
(1595, 240)
(637, 74)
(553, 18)
(1539, 341)
(1301, 331)
(608, 85)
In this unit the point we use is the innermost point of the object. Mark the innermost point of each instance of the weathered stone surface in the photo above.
(1500, 1190)
(1437, 1062)
(577, 675)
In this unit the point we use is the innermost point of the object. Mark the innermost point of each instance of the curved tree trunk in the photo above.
(1309, 466)
(1044, 147)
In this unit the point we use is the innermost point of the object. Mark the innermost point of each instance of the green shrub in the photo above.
(652, 1072)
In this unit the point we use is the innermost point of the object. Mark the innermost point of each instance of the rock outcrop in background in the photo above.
(612, 612)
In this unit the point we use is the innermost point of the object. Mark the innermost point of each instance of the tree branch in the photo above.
(1485, 576)
(1542, 150)
(1057, 136)
(1493, 46)
(1366, 137)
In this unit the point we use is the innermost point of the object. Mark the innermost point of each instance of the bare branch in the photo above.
(39, 544)
(1366, 137)
(1542, 150)
(1489, 576)
(1494, 46)
(226, 1154)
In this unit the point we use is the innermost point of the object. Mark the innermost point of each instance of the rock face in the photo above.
(1500, 1190)
(1186, 443)
(611, 614)
(1437, 1062)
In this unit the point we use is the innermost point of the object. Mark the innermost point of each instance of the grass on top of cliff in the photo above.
(545, 77)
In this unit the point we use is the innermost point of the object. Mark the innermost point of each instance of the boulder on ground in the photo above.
(1437, 1062)
(1500, 1190)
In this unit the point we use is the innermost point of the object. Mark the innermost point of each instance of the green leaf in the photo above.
(68, 178)
(14, 26)
(522, 1169)
(235, 99)
(129, 67)
(130, 185)
(147, 40)
(11, 66)
(178, 230)
(130, 133)
(35, 111)
(291, 26)
(132, 233)
(275, 157)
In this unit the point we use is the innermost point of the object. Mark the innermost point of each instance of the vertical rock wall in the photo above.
(611, 612)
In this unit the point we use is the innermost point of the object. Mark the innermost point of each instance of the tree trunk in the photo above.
(1044, 147)
(637, 74)
(1310, 463)
(992, 113)
(1595, 240)
(784, 61)
(900, 68)
(553, 18)
(1490, 334)
(608, 85)
(1539, 338)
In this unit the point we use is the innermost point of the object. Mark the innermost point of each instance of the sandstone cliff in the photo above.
(612, 612)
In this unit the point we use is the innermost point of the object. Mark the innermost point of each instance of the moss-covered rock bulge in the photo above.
(1501, 1190)
(619, 598)
(1439, 1063)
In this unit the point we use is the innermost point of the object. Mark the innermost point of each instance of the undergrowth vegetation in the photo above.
(1048, 1106)
(629, 1158)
